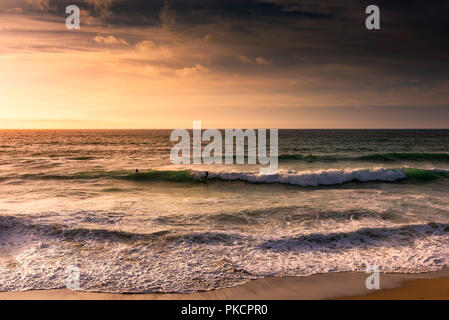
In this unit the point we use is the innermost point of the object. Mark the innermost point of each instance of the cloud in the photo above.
(167, 15)
(149, 50)
(192, 71)
(281, 52)
(101, 7)
(260, 60)
(110, 40)
(155, 71)
(15, 10)
(40, 4)
(245, 59)
(87, 19)
(145, 46)
(257, 60)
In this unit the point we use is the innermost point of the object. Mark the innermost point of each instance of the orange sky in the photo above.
(167, 74)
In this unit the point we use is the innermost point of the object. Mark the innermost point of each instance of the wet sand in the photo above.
(427, 289)
(348, 285)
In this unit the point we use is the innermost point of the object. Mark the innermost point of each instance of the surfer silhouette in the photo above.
(137, 170)
(206, 174)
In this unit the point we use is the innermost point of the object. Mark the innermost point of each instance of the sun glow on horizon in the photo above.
(169, 72)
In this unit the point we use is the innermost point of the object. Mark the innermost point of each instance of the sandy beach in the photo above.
(348, 285)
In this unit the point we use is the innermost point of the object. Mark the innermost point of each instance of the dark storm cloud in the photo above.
(410, 29)
(194, 12)
(291, 38)
(412, 39)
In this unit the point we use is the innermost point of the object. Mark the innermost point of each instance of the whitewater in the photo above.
(340, 201)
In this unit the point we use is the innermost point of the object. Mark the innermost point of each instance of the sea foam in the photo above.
(309, 178)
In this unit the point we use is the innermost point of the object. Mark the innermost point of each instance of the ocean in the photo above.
(342, 200)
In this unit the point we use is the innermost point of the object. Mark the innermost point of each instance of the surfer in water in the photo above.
(137, 170)
(206, 174)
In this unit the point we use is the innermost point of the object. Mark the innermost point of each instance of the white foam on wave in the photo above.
(215, 259)
(309, 178)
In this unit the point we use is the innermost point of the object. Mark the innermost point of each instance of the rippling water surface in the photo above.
(341, 200)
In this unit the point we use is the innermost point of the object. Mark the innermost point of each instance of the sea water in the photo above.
(341, 200)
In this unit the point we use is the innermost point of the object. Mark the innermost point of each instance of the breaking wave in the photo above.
(303, 178)
(210, 259)
(330, 177)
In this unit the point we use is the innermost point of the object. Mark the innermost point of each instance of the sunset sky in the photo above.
(229, 63)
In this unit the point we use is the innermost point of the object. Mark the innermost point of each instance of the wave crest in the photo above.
(322, 177)
(305, 178)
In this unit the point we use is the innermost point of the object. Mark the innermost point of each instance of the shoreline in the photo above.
(348, 285)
